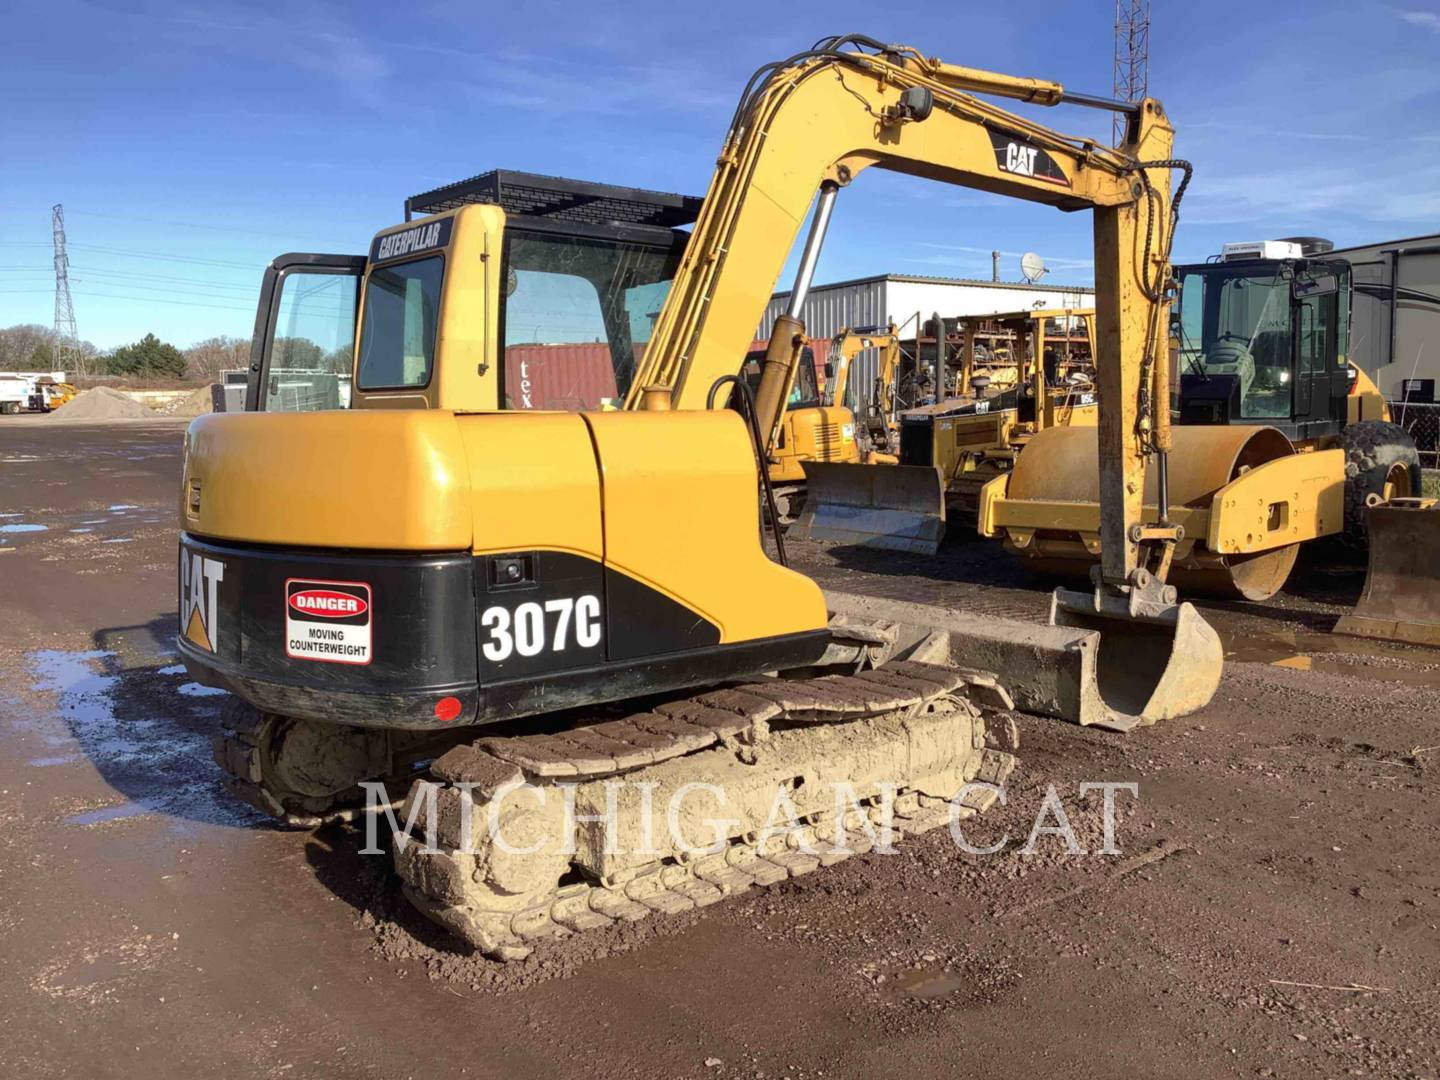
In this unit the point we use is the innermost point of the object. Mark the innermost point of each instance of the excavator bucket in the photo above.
(1153, 663)
(1401, 601)
(896, 507)
(1106, 670)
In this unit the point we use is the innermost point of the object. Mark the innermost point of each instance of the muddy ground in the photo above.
(1274, 911)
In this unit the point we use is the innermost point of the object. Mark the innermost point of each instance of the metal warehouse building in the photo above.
(900, 298)
(873, 301)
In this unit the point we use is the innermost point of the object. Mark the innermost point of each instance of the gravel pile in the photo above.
(197, 402)
(102, 403)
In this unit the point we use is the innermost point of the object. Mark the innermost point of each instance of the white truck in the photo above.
(14, 393)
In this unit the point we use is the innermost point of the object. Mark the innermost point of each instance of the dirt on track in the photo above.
(1273, 910)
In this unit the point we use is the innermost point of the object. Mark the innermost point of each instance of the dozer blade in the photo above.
(1088, 667)
(896, 507)
(1401, 601)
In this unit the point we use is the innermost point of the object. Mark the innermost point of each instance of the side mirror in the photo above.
(1313, 285)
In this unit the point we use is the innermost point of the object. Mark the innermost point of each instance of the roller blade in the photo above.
(1401, 601)
(894, 507)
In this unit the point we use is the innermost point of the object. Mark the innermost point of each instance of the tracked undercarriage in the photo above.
(545, 835)
(812, 771)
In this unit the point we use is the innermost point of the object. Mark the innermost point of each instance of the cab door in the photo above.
(1316, 326)
(302, 352)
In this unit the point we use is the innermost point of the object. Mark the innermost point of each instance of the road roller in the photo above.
(1280, 440)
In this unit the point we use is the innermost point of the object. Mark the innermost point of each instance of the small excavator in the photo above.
(812, 427)
(875, 429)
(520, 601)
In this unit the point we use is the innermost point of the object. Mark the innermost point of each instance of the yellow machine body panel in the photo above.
(1238, 491)
(369, 480)
(686, 521)
(815, 433)
(1365, 401)
(547, 495)
(1287, 500)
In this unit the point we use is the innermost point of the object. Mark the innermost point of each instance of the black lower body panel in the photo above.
(419, 641)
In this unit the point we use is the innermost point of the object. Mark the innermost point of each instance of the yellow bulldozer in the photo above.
(578, 603)
(1019, 373)
(1280, 441)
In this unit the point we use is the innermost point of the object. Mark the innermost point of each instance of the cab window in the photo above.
(398, 326)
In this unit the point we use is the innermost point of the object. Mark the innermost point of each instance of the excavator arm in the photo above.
(850, 343)
(808, 126)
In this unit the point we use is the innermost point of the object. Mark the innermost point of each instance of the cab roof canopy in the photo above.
(558, 199)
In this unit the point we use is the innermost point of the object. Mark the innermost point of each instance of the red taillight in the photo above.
(447, 709)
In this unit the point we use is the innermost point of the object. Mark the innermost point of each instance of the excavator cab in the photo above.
(562, 278)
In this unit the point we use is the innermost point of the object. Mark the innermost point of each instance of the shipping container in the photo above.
(568, 378)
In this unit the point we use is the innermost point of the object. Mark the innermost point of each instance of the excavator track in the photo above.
(922, 720)
(308, 774)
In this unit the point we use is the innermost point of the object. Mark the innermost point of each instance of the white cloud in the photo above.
(1428, 19)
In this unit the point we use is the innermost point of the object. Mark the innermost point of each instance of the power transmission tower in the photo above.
(67, 343)
(1132, 56)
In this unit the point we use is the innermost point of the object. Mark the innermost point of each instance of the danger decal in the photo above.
(328, 621)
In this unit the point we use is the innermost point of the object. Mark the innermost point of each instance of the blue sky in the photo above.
(190, 143)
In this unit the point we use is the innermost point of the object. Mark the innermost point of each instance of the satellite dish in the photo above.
(1032, 266)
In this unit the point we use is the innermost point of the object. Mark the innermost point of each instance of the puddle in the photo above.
(46, 762)
(173, 669)
(1354, 658)
(23, 527)
(118, 507)
(120, 540)
(157, 758)
(80, 530)
(195, 689)
(927, 985)
(108, 813)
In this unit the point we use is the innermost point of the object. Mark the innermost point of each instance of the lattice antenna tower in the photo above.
(1132, 56)
(67, 340)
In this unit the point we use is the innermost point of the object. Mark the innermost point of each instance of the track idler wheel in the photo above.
(301, 771)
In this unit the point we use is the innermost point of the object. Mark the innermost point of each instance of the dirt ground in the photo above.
(1274, 910)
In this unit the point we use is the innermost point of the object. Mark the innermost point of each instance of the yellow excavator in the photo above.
(875, 429)
(581, 600)
(949, 450)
